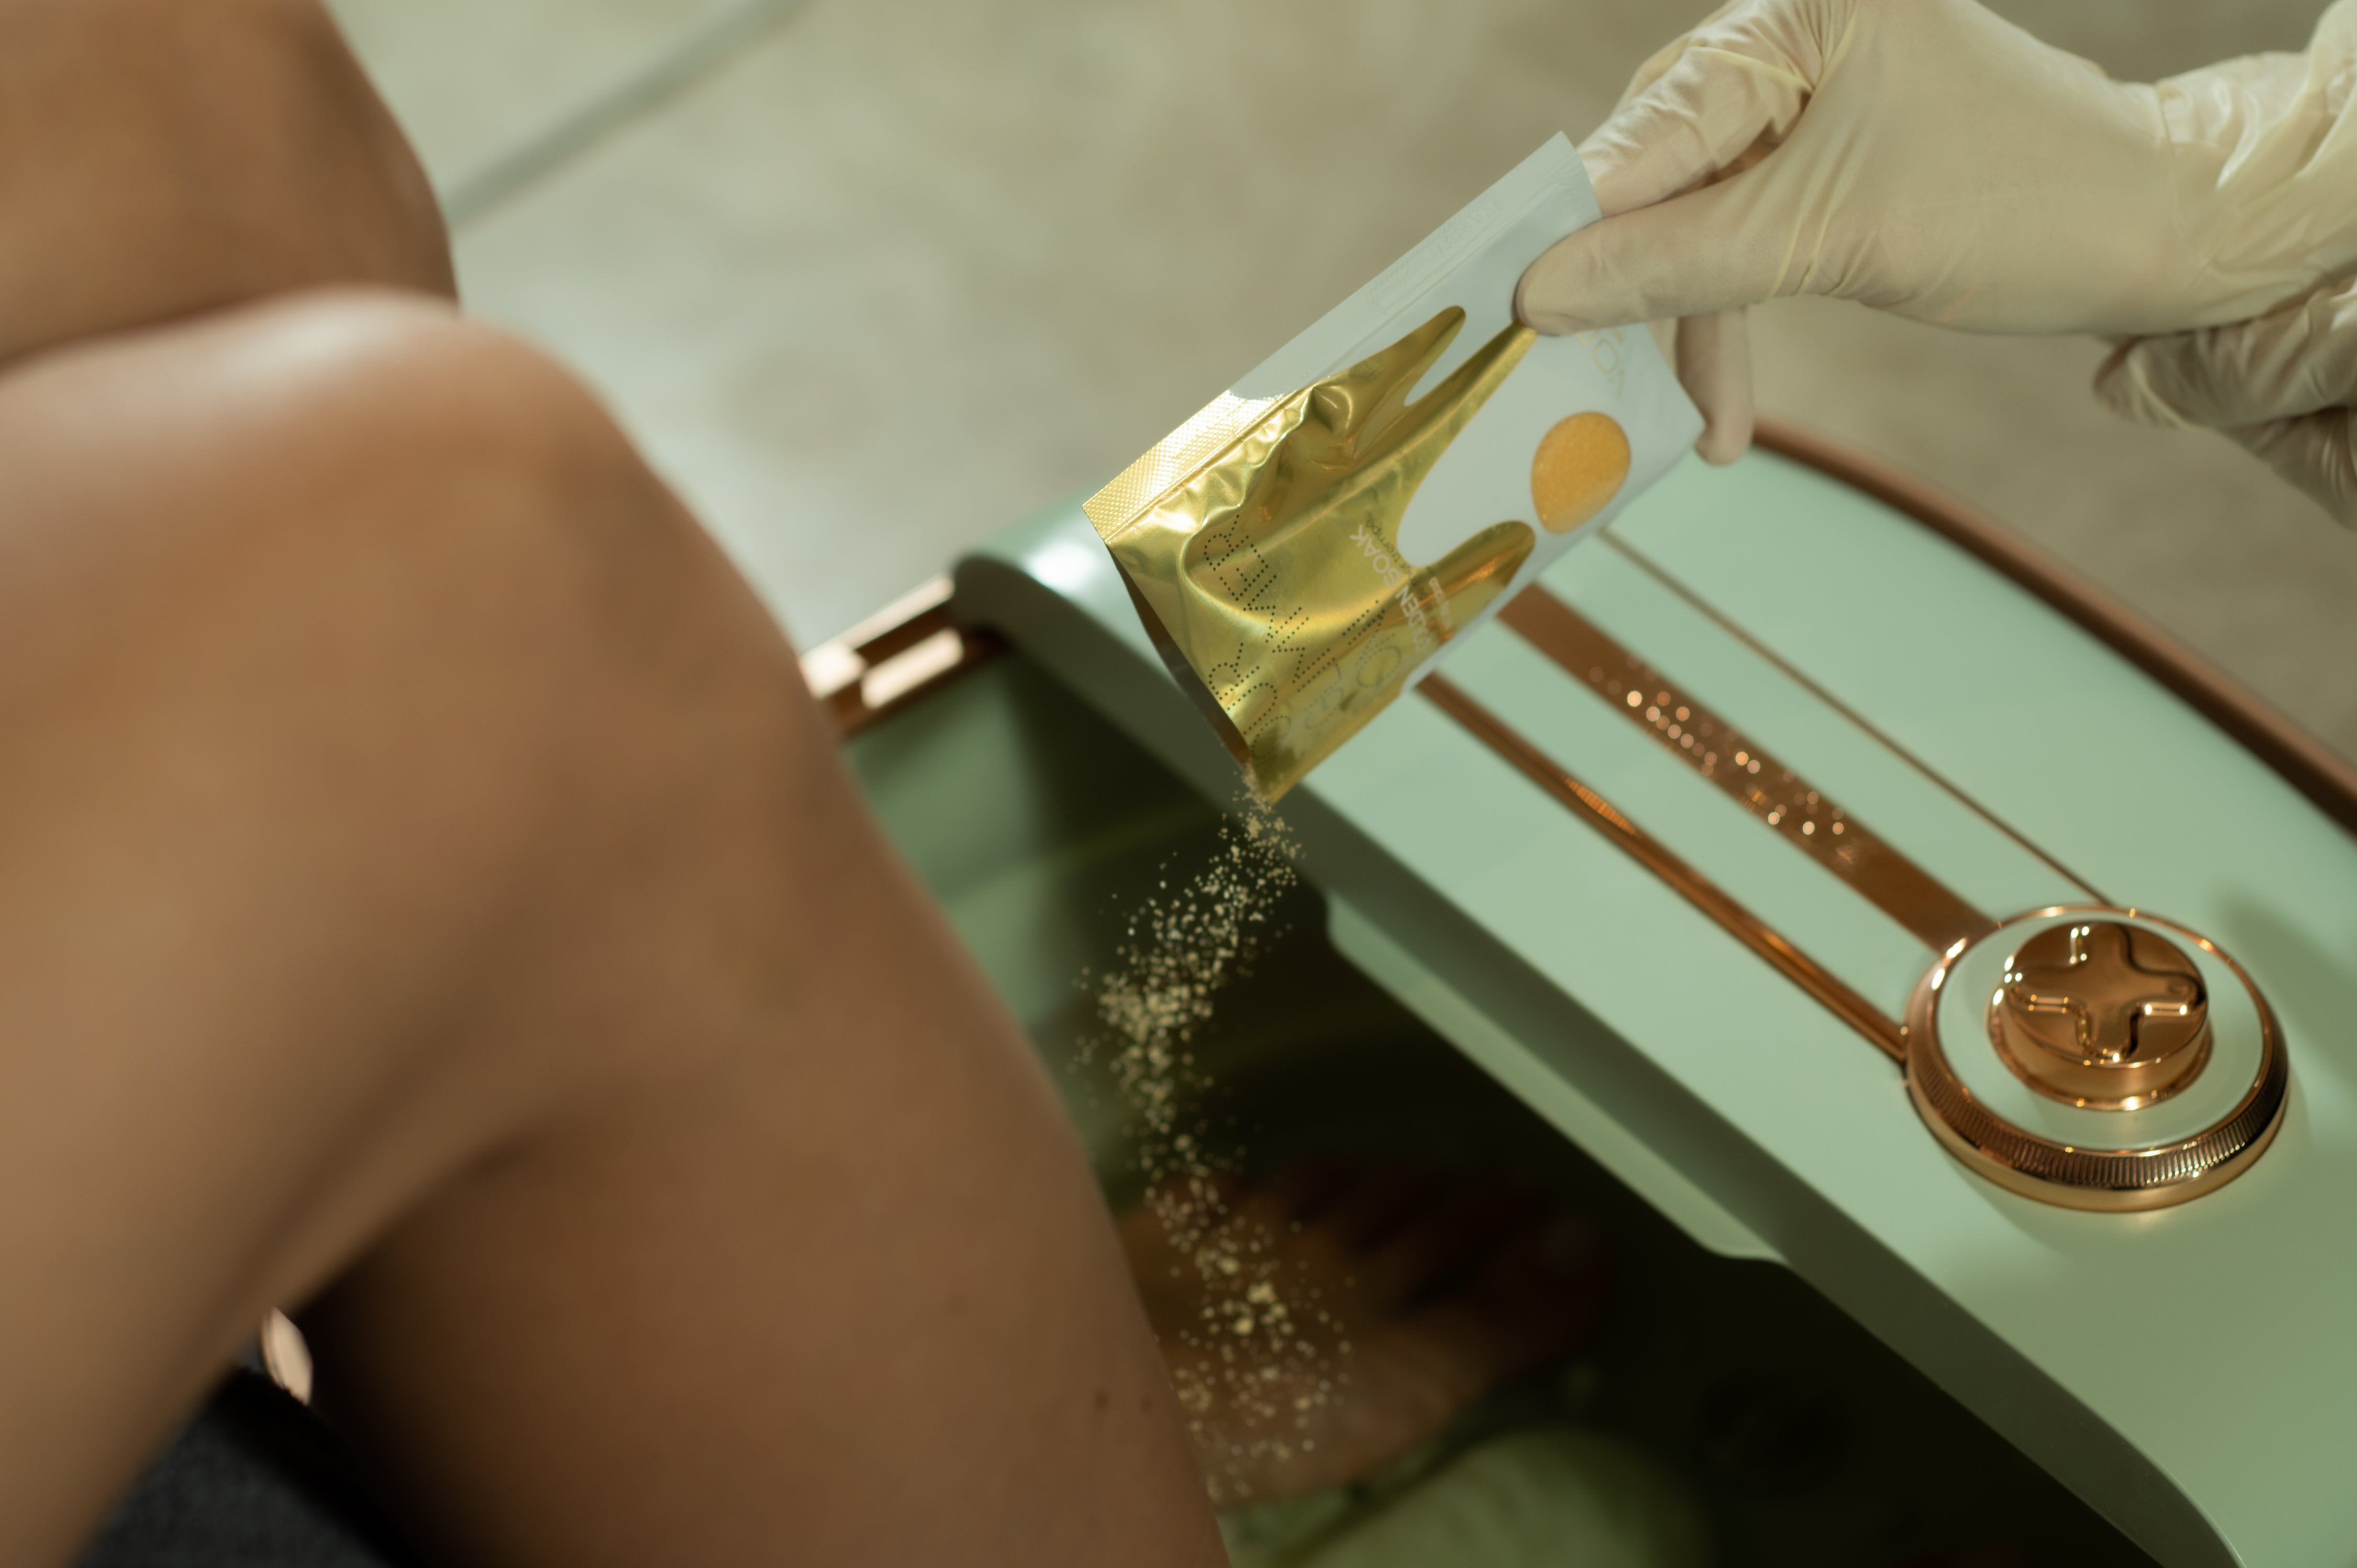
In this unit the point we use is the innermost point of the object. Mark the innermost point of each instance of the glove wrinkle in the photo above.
(2316, 452)
(2297, 359)
(2280, 384)
(2124, 385)
(2263, 145)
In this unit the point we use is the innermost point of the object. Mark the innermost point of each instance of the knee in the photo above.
(533, 607)
(377, 606)
(372, 477)
(458, 461)
(399, 577)
(220, 152)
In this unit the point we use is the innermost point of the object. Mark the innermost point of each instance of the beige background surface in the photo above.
(895, 272)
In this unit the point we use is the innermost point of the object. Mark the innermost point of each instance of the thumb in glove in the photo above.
(2284, 385)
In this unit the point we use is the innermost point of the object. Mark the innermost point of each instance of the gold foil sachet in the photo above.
(1303, 549)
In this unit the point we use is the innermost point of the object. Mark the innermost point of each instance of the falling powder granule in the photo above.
(1252, 1368)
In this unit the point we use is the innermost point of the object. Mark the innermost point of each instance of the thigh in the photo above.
(160, 158)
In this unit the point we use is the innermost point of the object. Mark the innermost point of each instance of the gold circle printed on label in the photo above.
(1581, 465)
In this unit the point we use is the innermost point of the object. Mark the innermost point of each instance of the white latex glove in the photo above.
(1928, 158)
(2283, 384)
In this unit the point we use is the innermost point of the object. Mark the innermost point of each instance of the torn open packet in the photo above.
(1305, 548)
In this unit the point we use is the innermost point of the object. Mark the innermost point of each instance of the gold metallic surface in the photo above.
(1846, 1003)
(2107, 1180)
(1260, 540)
(1611, 538)
(1771, 791)
(906, 652)
(2102, 1014)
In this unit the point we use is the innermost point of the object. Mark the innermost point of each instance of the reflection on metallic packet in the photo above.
(1273, 544)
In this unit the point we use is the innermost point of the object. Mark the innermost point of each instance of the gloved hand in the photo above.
(1928, 158)
(2283, 385)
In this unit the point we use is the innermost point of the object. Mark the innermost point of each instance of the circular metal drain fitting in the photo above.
(2096, 1058)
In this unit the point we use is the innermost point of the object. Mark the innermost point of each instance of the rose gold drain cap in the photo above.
(2102, 1014)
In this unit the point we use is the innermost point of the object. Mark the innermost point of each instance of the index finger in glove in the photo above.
(2294, 360)
(1703, 105)
(1705, 108)
(1712, 250)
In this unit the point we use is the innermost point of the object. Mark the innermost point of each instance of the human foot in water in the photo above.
(1327, 1321)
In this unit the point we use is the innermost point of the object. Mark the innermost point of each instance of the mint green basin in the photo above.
(1793, 1435)
(2191, 1372)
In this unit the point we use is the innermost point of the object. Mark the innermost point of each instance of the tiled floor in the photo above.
(898, 272)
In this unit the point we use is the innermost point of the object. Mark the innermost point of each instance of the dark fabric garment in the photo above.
(254, 1481)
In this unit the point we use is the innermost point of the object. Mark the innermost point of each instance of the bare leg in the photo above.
(163, 158)
(422, 879)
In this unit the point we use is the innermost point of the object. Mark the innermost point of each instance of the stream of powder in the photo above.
(1251, 1365)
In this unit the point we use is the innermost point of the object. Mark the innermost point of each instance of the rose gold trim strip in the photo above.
(1771, 791)
(1649, 853)
(1720, 618)
(846, 673)
(2305, 763)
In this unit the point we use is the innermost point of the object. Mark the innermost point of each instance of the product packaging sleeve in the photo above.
(1307, 547)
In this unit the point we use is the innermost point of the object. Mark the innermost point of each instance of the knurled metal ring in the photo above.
(2108, 1179)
